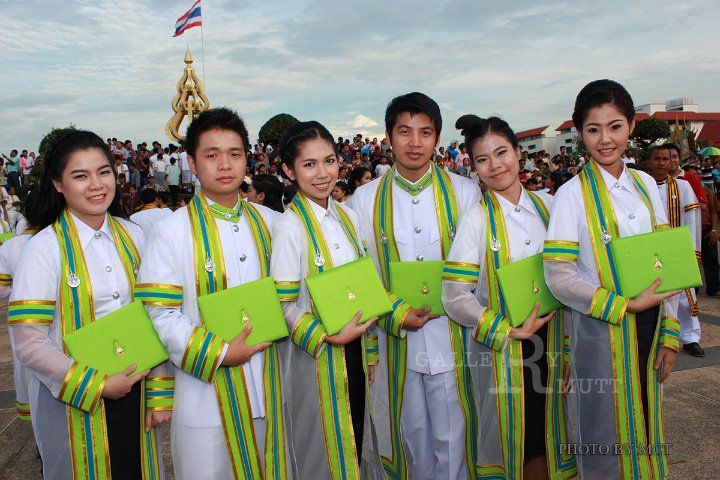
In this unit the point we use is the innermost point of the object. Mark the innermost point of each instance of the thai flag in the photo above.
(192, 18)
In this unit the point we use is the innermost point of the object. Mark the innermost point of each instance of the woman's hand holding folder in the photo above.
(351, 331)
(239, 351)
(120, 384)
(648, 298)
(531, 325)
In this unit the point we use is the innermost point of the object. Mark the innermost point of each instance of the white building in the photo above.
(537, 139)
(682, 111)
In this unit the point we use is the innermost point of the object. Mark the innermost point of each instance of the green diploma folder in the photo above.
(4, 237)
(668, 253)
(226, 313)
(522, 285)
(338, 294)
(116, 341)
(419, 284)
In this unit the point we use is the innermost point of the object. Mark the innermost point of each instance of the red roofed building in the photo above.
(536, 139)
(681, 110)
(710, 133)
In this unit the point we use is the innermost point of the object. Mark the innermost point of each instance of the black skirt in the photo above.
(356, 390)
(535, 372)
(123, 430)
(646, 323)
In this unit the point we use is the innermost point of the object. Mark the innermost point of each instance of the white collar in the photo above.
(87, 234)
(612, 182)
(210, 202)
(322, 213)
(430, 168)
(524, 202)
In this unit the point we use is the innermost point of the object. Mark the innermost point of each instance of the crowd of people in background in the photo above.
(165, 169)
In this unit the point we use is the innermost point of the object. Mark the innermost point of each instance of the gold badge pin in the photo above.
(536, 290)
(351, 296)
(245, 318)
(658, 263)
(424, 290)
(119, 351)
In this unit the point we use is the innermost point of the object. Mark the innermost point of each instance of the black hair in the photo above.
(244, 186)
(295, 137)
(355, 177)
(289, 192)
(652, 149)
(557, 180)
(482, 127)
(148, 195)
(273, 190)
(215, 119)
(412, 103)
(47, 204)
(598, 93)
(671, 146)
(344, 187)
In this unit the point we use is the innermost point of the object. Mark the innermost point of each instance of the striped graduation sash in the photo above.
(383, 225)
(88, 431)
(509, 384)
(337, 425)
(508, 370)
(630, 426)
(230, 384)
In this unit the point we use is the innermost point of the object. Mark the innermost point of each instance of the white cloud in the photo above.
(114, 67)
(361, 121)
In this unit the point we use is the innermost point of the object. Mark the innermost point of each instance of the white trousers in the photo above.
(201, 453)
(689, 324)
(433, 427)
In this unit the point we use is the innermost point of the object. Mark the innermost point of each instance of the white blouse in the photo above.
(38, 277)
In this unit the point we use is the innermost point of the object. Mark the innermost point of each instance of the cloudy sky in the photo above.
(112, 66)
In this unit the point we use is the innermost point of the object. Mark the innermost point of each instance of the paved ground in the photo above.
(692, 403)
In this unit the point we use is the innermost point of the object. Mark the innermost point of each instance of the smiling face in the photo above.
(315, 169)
(605, 132)
(497, 162)
(414, 139)
(219, 164)
(88, 185)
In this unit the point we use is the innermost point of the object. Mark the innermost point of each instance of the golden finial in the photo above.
(189, 101)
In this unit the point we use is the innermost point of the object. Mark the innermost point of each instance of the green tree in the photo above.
(51, 136)
(649, 131)
(45, 145)
(466, 121)
(579, 147)
(272, 131)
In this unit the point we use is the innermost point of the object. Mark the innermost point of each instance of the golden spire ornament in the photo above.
(189, 101)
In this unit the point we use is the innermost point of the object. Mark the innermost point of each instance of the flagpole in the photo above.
(202, 44)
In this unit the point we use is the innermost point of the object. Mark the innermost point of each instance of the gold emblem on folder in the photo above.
(245, 318)
(536, 290)
(425, 290)
(119, 351)
(351, 296)
(658, 263)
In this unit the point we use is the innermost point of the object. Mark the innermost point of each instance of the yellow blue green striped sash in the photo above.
(601, 218)
(330, 363)
(230, 384)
